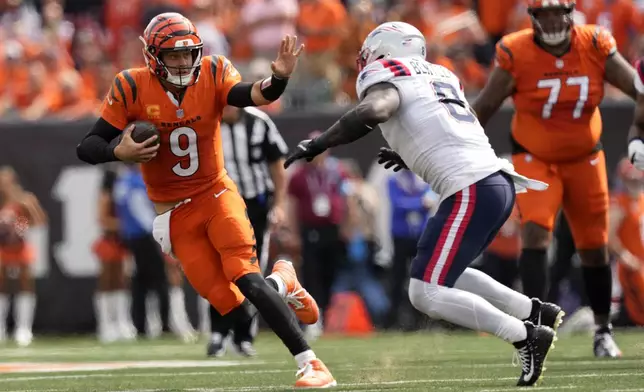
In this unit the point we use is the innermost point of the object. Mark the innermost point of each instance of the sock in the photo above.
(598, 283)
(111, 305)
(242, 330)
(152, 316)
(25, 306)
(499, 295)
(178, 316)
(101, 311)
(219, 323)
(203, 308)
(122, 307)
(4, 310)
(533, 267)
(277, 283)
(275, 312)
(304, 358)
(465, 309)
(216, 338)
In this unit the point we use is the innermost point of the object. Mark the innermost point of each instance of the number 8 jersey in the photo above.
(190, 159)
(434, 131)
(556, 98)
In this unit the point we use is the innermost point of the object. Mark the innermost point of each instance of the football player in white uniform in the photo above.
(424, 116)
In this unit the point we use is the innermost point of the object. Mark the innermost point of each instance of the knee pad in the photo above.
(422, 296)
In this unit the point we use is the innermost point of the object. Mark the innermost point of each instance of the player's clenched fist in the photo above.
(129, 150)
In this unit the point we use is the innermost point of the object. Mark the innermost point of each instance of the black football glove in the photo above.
(389, 158)
(306, 149)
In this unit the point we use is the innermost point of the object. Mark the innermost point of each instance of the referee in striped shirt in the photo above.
(254, 154)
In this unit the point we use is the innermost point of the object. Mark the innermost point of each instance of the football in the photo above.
(143, 130)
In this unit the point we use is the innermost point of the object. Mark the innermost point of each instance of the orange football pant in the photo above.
(212, 237)
(581, 187)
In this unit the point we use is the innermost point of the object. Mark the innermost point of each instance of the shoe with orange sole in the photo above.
(297, 298)
(315, 375)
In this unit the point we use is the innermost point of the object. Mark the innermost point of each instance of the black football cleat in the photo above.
(604, 345)
(546, 313)
(533, 351)
(216, 346)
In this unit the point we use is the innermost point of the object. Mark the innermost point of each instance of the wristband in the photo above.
(273, 87)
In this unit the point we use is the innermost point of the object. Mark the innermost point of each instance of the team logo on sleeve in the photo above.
(366, 73)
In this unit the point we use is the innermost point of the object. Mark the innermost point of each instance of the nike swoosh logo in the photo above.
(594, 161)
(109, 100)
(220, 193)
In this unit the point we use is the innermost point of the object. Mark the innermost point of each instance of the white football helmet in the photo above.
(389, 40)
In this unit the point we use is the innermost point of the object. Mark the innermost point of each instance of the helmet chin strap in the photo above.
(180, 80)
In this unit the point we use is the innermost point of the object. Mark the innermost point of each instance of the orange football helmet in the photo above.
(552, 20)
(172, 32)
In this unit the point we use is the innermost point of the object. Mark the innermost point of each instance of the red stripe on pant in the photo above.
(457, 221)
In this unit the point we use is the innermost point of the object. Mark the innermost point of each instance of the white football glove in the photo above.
(636, 153)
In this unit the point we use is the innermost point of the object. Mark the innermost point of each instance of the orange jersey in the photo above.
(190, 159)
(630, 231)
(556, 98)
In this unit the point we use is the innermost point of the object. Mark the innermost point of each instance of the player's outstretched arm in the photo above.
(621, 74)
(266, 91)
(379, 104)
(499, 86)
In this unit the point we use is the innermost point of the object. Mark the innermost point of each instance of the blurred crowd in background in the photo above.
(58, 57)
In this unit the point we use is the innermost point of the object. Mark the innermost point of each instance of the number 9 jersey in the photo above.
(556, 98)
(434, 131)
(190, 159)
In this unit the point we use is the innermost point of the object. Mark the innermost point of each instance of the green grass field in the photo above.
(387, 362)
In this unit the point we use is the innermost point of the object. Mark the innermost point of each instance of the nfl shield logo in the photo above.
(179, 113)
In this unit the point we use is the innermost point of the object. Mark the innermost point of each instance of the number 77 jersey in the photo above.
(556, 99)
(190, 158)
(433, 130)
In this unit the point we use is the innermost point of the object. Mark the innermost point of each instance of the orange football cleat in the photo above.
(315, 375)
(302, 303)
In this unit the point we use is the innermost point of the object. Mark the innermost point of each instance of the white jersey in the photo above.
(434, 131)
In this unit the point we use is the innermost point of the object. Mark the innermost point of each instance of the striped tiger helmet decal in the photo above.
(172, 34)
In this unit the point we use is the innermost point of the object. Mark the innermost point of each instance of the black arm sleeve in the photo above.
(99, 143)
(240, 95)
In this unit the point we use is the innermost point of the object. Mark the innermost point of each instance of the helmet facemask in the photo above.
(366, 57)
(179, 75)
(553, 25)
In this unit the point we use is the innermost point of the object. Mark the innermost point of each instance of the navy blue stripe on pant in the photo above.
(464, 225)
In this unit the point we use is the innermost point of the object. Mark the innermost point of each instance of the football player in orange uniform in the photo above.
(202, 219)
(555, 74)
(626, 239)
